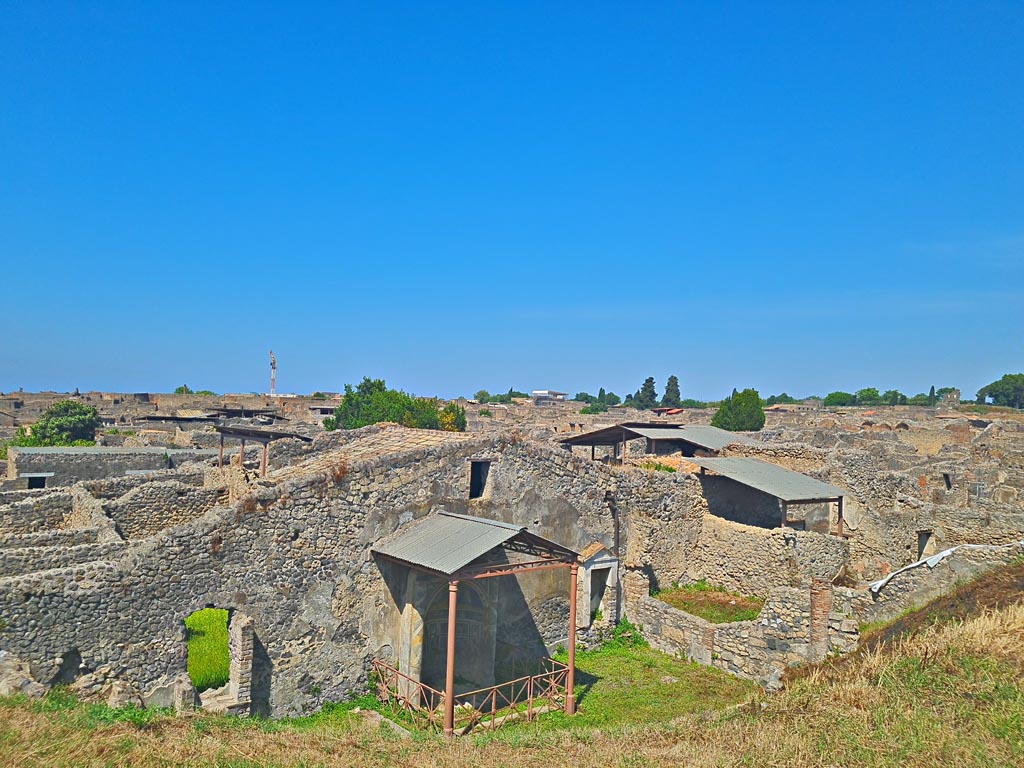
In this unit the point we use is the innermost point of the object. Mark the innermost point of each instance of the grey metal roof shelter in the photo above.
(447, 543)
(456, 547)
(693, 435)
(782, 483)
(787, 486)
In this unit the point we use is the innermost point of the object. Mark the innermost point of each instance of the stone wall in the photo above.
(797, 625)
(37, 511)
(150, 508)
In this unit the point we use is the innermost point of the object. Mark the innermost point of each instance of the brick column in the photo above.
(821, 607)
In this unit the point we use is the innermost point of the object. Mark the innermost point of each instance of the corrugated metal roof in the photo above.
(772, 479)
(446, 542)
(713, 437)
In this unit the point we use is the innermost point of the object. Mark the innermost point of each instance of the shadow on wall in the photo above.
(497, 634)
(739, 503)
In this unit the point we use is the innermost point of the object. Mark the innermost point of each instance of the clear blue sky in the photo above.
(799, 197)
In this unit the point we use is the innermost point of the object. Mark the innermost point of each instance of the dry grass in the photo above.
(949, 695)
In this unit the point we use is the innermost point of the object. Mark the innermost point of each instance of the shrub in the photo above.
(740, 413)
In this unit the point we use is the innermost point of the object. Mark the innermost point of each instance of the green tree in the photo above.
(1007, 391)
(838, 398)
(371, 402)
(66, 422)
(894, 397)
(183, 390)
(783, 398)
(671, 398)
(595, 407)
(483, 396)
(610, 399)
(452, 418)
(868, 396)
(931, 395)
(647, 397)
(919, 399)
(741, 413)
(586, 397)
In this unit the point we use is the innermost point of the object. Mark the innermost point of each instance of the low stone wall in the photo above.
(37, 512)
(14, 562)
(153, 507)
(797, 625)
(69, 538)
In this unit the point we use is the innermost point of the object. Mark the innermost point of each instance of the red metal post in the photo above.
(570, 683)
(449, 679)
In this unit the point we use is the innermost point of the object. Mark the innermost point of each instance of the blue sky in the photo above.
(799, 197)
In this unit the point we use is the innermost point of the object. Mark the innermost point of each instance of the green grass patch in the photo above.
(657, 466)
(625, 681)
(714, 604)
(209, 662)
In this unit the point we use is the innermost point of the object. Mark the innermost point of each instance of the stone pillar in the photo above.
(240, 646)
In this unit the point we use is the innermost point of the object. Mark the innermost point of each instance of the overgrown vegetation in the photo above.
(714, 604)
(1007, 391)
(208, 659)
(371, 402)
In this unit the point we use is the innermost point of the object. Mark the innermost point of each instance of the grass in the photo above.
(712, 603)
(208, 659)
(657, 466)
(951, 692)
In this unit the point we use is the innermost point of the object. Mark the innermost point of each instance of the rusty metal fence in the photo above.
(488, 708)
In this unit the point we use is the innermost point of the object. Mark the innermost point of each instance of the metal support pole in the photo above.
(840, 528)
(220, 458)
(263, 463)
(570, 681)
(449, 678)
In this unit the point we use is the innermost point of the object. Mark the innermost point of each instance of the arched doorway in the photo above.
(475, 622)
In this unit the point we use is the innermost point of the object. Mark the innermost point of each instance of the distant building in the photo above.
(548, 396)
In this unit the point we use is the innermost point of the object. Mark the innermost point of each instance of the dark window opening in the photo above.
(36, 482)
(478, 478)
(948, 480)
(925, 546)
(598, 584)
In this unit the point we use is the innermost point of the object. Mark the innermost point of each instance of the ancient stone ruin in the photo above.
(330, 569)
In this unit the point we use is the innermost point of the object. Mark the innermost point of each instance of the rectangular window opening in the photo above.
(925, 544)
(478, 478)
(948, 480)
(36, 482)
